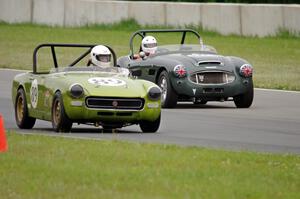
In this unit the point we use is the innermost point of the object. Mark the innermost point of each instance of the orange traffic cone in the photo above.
(3, 143)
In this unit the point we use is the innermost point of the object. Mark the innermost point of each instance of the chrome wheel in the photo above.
(60, 120)
(56, 112)
(168, 95)
(23, 120)
(164, 87)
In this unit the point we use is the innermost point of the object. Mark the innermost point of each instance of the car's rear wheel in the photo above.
(23, 120)
(150, 127)
(244, 100)
(60, 120)
(168, 96)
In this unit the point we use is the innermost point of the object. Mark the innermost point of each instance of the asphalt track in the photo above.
(271, 124)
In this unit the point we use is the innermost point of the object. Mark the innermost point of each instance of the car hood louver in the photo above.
(210, 63)
(208, 60)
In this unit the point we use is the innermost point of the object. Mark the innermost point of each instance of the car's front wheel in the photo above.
(24, 121)
(168, 96)
(150, 127)
(60, 120)
(244, 100)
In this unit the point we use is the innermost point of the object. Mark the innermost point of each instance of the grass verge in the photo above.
(276, 60)
(50, 167)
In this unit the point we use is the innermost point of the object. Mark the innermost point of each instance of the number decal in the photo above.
(106, 81)
(34, 93)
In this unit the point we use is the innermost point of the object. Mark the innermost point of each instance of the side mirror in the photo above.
(136, 73)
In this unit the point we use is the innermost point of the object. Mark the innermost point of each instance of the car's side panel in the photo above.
(24, 81)
(34, 93)
(148, 71)
(151, 67)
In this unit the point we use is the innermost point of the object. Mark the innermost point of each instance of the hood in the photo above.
(97, 84)
(197, 61)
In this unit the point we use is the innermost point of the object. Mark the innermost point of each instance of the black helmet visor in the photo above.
(103, 58)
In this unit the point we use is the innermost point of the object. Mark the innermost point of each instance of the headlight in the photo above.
(246, 70)
(180, 71)
(76, 91)
(154, 93)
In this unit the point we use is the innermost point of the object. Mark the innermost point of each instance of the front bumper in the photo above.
(185, 87)
(77, 110)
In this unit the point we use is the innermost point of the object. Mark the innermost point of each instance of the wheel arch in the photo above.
(21, 86)
(169, 71)
(57, 91)
(158, 73)
(14, 93)
(63, 100)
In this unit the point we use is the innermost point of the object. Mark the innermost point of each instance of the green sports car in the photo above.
(190, 72)
(110, 98)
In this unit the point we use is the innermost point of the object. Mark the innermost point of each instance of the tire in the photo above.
(23, 120)
(245, 100)
(168, 97)
(60, 120)
(150, 127)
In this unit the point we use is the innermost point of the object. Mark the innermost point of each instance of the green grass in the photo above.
(276, 60)
(51, 167)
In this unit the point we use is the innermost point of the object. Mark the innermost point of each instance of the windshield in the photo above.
(185, 48)
(113, 71)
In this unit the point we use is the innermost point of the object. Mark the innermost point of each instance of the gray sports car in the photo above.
(191, 72)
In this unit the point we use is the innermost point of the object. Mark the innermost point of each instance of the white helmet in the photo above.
(149, 44)
(101, 56)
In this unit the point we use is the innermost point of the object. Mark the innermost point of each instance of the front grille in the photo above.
(115, 103)
(217, 77)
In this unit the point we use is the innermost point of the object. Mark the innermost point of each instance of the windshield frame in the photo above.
(161, 50)
(53, 46)
(143, 33)
(92, 69)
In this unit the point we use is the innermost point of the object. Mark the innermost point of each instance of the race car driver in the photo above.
(100, 57)
(148, 46)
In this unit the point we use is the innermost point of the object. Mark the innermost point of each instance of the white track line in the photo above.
(276, 90)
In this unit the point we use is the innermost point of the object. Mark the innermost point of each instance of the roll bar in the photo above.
(142, 34)
(53, 46)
